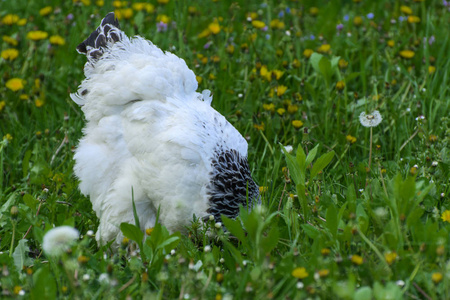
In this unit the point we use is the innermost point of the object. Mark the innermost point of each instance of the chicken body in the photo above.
(149, 133)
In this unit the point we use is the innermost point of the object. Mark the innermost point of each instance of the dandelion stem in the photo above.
(12, 239)
(370, 149)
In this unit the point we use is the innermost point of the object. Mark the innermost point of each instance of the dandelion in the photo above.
(340, 85)
(277, 74)
(15, 84)
(431, 69)
(323, 272)
(324, 48)
(370, 120)
(149, 231)
(350, 139)
(413, 19)
(10, 40)
(391, 43)
(230, 49)
(356, 259)
(406, 10)
(299, 273)
(258, 24)
(297, 124)
(269, 107)
(259, 126)
(2, 105)
(57, 40)
(292, 109)
(314, 11)
(408, 54)
(39, 102)
(281, 89)
(10, 19)
(342, 63)
(163, 18)
(8, 137)
(10, 54)
(45, 11)
(357, 21)
(437, 277)
(390, 257)
(446, 216)
(281, 111)
(214, 27)
(37, 35)
(59, 239)
(307, 53)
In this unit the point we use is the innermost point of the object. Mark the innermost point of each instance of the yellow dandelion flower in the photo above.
(406, 10)
(281, 111)
(163, 18)
(263, 189)
(292, 109)
(259, 126)
(10, 40)
(269, 107)
(23, 97)
(192, 10)
(323, 272)
(276, 24)
(356, 259)
(252, 15)
(342, 63)
(432, 138)
(127, 13)
(149, 231)
(199, 79)
(325, 251)
(296, 63)
(446, 216)
(281, 89)
(138, 6)
(10, 54)
(390, 257)
(100, 3)
(17, 289)
(204, 33)
(297, 124)
(324, 48)
(357, 21)
(277, 74)
(117, 4)
(57, 40)
(265, 73)
(431, 69)
(39, 102)
(212, 76)
(86, 2)
(15, 84)
(22, 22)
(10, 19)
(340, 85)
(408, 54)
(258, 24)
(214, 27)
(45, 11)
(437, 277)
(37, 83)
(37, 35)
(299, 273)
(2, 105)
(413, 19)
(350, 139)
(307, 53)
(314, 11)
(163, 1)
(391, 43)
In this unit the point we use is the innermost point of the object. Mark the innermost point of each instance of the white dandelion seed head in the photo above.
(370, 120)
(59, 239)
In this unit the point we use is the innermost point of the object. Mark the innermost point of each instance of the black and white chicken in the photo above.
(149, 130)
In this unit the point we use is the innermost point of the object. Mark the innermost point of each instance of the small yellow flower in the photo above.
(17, 289)
(340, 85)
(390, 257)
(296, 63)
(356, 259)
(100, 3)
(277, 74)
(82, 259)
(432, 138)
(23, 97)
(259, 126)
(297, 124)
(258, 24)
(15, 84)
(281, 111)
(357, 21)
(300, 273)
(37, 35)
(64, 289)
(10, 19)
(163, 18)
(413, 19)
(2, 105)
(124, 13)
(230, 49)
(324, 48)
(281, 89)
(57, 40)
(149, 231)
(117, 4)
(323, 272)
(39, 102)
(446, 216)
(163, 1)
(437, 277)
(408, 54)
(199, 79)
(263, 189)
(276, 24)
(325, 251)
(10, 40)
(313, 11)
(125, 241)
(86, 2)
(292, 109)
(214, 27)
(413, 171)
(45, 11)
(342, 63)
(307, 53)
(269, 107)
(406, 10)
(10, 54)
(391, 43)
(350, 139)
(22, 22)
(264, 72)
(431, 69)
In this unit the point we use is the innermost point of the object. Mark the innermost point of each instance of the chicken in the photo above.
(149, 136)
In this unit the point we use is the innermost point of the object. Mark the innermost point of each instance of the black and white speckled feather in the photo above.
(148, 129)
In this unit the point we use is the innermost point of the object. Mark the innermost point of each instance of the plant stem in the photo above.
(12, 239)
(370, 149)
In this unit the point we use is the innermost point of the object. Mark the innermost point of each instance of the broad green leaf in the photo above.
(234, 227)
(301, 161)
(315, 60)
(351, 198)
(271, 240)
(20, 255)
(325, 68)
(332, 220)
(362, 218)
(294, 168)
(363, 293)
(170, 243)
(26, 163)
(311, 231)
(301, 191)
(132, 232)
(312, 154)
(44, 285)
(321, 163)
(335, 62)
(30, 202)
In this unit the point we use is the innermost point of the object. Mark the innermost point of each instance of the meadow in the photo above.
(346, 109)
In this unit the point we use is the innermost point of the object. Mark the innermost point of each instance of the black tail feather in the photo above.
(95, 44)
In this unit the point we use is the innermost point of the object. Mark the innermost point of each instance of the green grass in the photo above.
(358, 232)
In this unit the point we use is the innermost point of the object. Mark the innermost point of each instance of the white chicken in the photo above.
(149, 131)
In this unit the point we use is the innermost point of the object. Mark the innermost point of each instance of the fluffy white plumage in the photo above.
(149, 130)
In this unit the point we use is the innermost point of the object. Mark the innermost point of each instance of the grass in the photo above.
(329, 227)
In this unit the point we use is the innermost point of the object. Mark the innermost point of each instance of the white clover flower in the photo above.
(59, 239)
(370, 120)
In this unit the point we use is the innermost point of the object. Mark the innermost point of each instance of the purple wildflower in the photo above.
(161, 26)
(370, 16)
